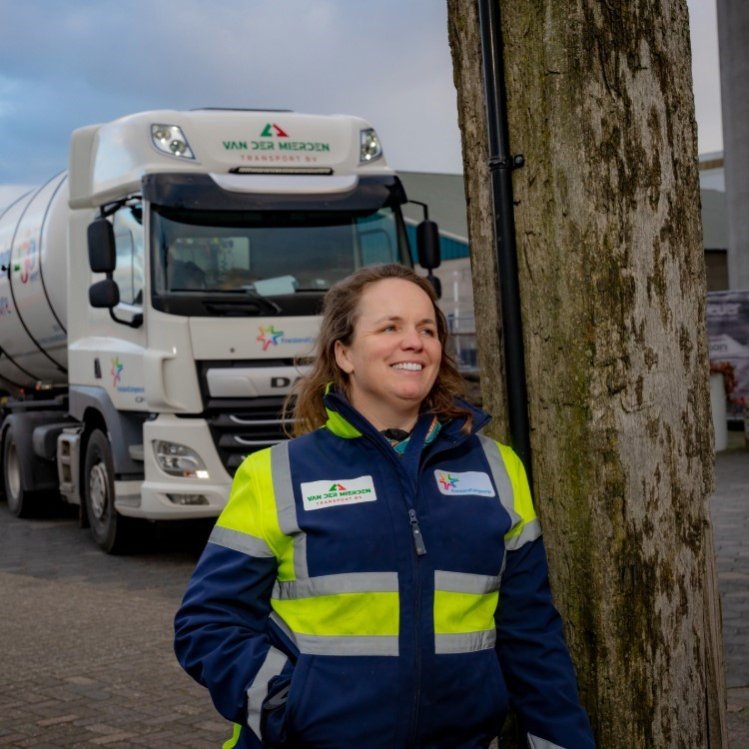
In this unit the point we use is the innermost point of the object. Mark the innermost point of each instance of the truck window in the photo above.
(128, 238)
(228, 251)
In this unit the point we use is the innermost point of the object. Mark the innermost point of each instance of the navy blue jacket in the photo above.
(353, 598)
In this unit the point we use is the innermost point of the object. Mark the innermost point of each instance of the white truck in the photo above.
(156, 298)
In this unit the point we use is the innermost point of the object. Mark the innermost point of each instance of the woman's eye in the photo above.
(429, 332)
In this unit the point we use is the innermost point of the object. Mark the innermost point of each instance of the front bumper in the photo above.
(151, 500)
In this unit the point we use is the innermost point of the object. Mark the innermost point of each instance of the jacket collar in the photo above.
(346, 422)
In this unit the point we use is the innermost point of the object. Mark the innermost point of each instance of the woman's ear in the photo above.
(342, 359)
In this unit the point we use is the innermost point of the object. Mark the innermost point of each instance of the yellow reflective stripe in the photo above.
(523, 503)
(331, 645)
(514, 492)
(339, 426)
(252, 508)
(232, 741)
(461, 613)
(344, 614)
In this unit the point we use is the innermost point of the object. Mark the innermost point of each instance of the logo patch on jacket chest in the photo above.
(327, 493)
(461, 483)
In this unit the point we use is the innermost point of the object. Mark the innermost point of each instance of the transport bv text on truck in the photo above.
(154, 299)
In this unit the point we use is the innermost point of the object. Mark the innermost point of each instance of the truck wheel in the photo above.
(19, 500)
(108, 529)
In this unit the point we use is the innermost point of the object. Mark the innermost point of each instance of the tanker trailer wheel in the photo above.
(108, 528)
(19, 500)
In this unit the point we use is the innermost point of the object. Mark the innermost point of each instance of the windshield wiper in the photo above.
(251, 302)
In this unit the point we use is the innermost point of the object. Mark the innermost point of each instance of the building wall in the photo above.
(733, 32)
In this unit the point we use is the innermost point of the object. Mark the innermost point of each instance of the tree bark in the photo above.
(613, 299)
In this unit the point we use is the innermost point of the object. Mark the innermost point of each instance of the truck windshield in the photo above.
(268, 253)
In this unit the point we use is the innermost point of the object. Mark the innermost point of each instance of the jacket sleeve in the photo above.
(223, 635)
(531, 648)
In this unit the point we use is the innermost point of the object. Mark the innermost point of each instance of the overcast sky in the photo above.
(68, 64)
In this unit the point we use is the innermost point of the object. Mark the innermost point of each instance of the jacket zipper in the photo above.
(419, 544)
(420, 551)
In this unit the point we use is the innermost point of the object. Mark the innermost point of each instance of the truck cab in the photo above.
(199, 248)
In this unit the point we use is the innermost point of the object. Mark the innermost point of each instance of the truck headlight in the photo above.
(170, 139)
(179, 460)
(370, 146)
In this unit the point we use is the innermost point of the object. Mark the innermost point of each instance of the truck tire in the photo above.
(108, 529)
(19, 500)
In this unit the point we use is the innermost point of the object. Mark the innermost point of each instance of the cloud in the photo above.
(65, 65)
(93, 61)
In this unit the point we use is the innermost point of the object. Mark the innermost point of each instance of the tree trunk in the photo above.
(613, 299)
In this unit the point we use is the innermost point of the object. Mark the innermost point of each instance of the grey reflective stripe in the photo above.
(501, 478)
(286, 507)
(535, 743)
(352, 645)
(464, 582)
(273, 664)
(238, 541)
(324, 585)
(470, 642)
(531, 531)
(281, 624)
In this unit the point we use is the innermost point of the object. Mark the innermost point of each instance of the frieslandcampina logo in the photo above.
(462, 483)
(269, 336)
(117, 367)
(329, 493)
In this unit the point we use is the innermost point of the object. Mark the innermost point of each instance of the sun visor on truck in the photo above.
(203, 192)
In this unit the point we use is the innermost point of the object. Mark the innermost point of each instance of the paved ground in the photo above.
(730, 514)
(85, 638)
(86, 643)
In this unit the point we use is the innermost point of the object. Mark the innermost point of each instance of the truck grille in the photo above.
(240, 428)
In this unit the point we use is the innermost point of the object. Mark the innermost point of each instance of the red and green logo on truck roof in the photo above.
(275, 138)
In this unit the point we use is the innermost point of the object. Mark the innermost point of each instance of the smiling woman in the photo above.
(349, 593)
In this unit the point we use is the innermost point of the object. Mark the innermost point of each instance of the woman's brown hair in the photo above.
(340, 310)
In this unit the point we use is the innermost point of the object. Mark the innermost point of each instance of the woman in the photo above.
(348, 597)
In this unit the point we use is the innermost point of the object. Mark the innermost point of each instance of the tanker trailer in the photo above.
(155, 302)
(33, 341)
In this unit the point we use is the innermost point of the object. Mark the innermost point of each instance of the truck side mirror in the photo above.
(102, 256)
(428, 244)
(104, 294)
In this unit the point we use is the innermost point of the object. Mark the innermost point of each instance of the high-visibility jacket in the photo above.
(353, 598)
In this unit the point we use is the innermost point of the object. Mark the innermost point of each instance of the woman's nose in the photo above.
(412, 339)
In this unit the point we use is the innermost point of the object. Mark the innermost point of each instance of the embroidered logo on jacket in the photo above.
(327, 493)
(460, 483)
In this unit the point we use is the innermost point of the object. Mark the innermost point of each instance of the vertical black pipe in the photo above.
(501, 164)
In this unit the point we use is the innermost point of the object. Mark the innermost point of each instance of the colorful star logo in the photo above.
(117, 368)
(448, 482)
(268, 335)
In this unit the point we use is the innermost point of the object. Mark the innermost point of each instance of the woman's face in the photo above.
(395, 354)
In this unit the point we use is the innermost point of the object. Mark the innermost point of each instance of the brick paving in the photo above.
(86, 639)
(730, 515)
(87, 642)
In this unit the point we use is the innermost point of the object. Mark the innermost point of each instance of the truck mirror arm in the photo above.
(136, 322)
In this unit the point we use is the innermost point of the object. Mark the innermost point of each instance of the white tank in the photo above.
(33, 301)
